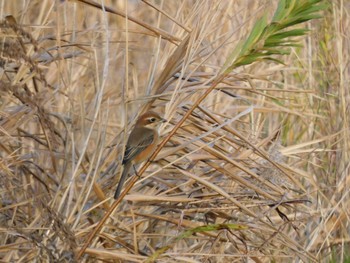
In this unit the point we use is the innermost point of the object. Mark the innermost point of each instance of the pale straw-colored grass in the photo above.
(258, 172)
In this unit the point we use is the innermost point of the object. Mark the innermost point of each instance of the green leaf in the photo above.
(267, 40)
(280, 11)
(231, 58)
(254, 35)
(290, 33)
(278, 61)
(246, 60)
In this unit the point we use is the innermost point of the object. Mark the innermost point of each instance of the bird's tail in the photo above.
(122, 179)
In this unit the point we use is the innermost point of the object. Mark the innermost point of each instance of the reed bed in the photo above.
(254, 164)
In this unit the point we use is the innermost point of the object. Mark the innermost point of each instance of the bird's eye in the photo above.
(152, 119)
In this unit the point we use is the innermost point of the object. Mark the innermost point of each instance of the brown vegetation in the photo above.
(258, 170)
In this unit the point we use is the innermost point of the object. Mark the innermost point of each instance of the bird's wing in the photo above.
(138, 141)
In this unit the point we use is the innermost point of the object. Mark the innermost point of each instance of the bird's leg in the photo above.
(137, 174)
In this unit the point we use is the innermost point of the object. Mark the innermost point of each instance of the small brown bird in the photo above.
(141, 144)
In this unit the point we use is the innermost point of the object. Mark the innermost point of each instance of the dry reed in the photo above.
(259, 171)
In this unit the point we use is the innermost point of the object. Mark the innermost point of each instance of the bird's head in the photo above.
(150, 120)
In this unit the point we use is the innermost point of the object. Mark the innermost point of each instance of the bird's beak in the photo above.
(163, 120)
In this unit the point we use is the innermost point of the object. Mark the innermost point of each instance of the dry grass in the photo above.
(258, 172)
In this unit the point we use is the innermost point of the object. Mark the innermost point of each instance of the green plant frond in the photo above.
(245, 46)
(271, 29)
(249, 59)
(289, 43)
(309, 7)
(279, 14)
(271, 43)
(274, 51)
(284, 9)
(255, 35)
(278, 61)
(299, 19)
(313, 9)
(232, 56)
(290, 33)
(265, 38)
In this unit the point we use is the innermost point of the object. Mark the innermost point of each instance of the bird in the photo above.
(141, 144)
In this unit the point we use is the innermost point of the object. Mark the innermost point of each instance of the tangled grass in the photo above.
(254, 163)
